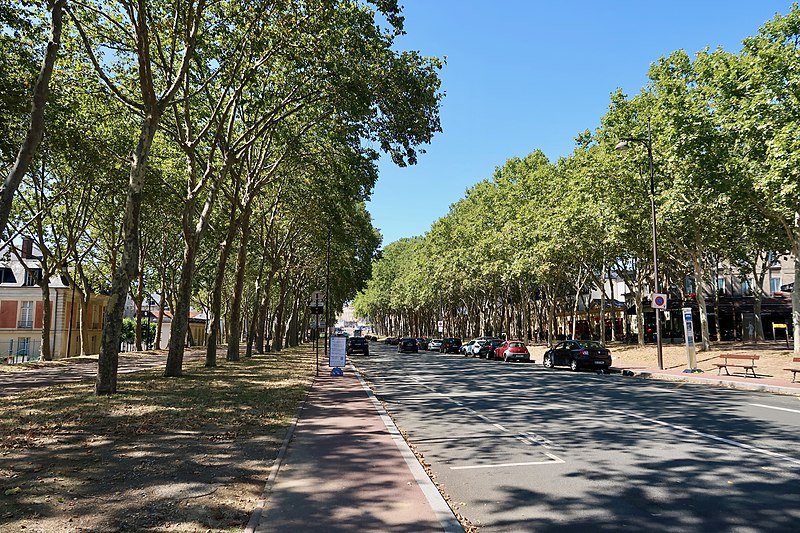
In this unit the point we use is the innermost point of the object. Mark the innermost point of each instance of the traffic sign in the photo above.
(317, 299)
(440, 325)
(658, 301)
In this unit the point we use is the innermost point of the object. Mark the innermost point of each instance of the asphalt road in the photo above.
(523, 448)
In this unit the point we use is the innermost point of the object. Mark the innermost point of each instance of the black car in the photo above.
(450, 345)
(357, 345)
(422, 343)
(408, 344)
(487, 350)
(577, 355)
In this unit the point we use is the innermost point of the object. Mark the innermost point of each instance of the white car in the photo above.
(435, 345)
(472, 347)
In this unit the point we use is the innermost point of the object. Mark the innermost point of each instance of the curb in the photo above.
(255, 517)
(758, 387)
(437, 502)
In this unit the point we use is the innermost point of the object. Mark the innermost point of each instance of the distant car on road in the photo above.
(577, 355)
(357, 345)
(422, 342)
(512, 351)
(435, 345)
(407, 344)
(450, 345)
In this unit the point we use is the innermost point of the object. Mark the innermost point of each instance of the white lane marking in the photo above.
(714, 437)
(529, 407)
(501, 428)
(555, 461)
(773, 407)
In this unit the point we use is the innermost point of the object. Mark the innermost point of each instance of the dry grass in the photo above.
(179, 454)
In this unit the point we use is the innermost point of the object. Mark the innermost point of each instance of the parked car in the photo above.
(357, 345)
(488, 347)
(472, 348)
(435, 345)
(422, 342)
(450, 345)
(512, 351)
(391, 341)
(466, 349)
(408, 344)
(577, 355)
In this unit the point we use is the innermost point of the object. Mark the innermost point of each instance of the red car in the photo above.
(512, 351)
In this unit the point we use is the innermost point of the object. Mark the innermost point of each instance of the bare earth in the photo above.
(773, 357)
(178, 454)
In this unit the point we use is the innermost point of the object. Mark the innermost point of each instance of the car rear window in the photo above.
(593, 345)
(516, 345)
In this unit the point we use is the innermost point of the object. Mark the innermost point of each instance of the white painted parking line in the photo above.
(554, 461)
(713, 437)
(498, 426)
(773, 407)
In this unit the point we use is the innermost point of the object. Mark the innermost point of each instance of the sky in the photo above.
(523, 75)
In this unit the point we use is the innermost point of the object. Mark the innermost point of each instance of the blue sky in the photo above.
(526, 75)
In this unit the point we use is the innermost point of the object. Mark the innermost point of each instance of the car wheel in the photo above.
(547, 362)
(573, 365)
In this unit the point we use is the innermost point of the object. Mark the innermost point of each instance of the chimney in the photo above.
(27, 248)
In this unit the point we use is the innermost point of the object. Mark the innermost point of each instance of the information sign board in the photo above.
(337, 354)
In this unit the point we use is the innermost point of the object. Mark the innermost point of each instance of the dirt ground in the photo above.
(178, 454)
(773, 356)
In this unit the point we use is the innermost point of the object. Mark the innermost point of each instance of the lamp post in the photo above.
(623, 146)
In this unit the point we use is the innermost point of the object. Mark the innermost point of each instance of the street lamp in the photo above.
(623, 146)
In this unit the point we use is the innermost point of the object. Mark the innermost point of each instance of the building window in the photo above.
(25, 316)
(32, 277)
(7, 275)
(721, 284)
(775, 284)
(23, 346)
(690, 288)
(745, 287)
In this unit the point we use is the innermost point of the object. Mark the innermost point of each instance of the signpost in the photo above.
(440, 326)
(688, 335)
(316, 305)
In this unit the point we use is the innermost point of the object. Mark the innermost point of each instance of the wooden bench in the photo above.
(794, 370)
(726, 362)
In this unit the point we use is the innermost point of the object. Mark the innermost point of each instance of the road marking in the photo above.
(714, 437)
(501, 428)
(773, 407)
(554, 461)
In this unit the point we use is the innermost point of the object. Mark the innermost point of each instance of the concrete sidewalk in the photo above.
(345, 467)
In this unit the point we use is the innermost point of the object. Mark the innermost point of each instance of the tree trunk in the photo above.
(236, 305)
(701, 303)
(139, 300)
(796, 289)
(180, 313)
(216, 294)
(120, 282)
(36, 126)
(47, 353)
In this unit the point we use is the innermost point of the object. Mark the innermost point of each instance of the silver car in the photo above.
(435, 345)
